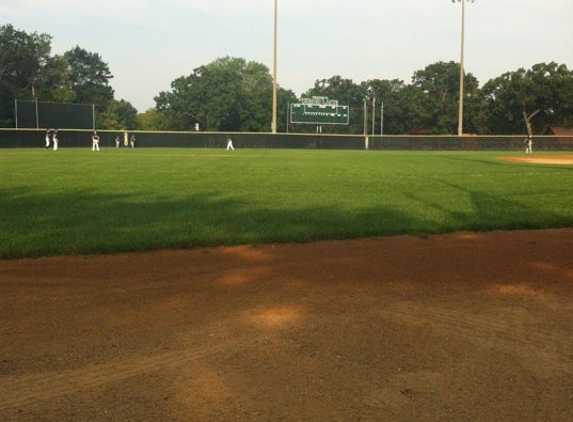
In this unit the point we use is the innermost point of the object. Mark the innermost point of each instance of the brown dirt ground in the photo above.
(458, 327)
(543, 159)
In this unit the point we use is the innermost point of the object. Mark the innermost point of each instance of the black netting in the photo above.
(31, 114)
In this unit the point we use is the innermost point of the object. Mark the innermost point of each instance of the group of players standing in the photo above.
(53, 139)
(95, 141)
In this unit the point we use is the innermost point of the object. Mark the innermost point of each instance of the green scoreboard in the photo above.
(319, 111)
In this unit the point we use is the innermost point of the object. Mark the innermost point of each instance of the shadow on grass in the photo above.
(88, 222)
(495, 212)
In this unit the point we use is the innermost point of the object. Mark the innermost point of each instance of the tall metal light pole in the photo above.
(274, 121)
(373, 114)
(461, 105)
(382, 119)
(365, 118)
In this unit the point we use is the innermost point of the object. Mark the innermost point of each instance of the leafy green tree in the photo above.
(430, 101)
(174, 107)
(88, 76)
(529, 99)
(229, 94)
(28, 72)
(285, 97)
(53, 82)
(148, 120)
(395, 105)
(22, 57)
(438, 85)
(119, 115)
(346, 92)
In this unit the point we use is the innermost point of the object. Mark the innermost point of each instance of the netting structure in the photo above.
(40, 114)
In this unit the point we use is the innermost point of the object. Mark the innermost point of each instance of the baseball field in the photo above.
(75, 201)
(261, 285)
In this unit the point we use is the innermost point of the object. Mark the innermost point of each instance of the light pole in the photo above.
(274, 121)
(382, 119)
(373, 113)
(461, 105)
(461, 102)
(365, 119)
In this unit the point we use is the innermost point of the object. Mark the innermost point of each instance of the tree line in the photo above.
(234, 94)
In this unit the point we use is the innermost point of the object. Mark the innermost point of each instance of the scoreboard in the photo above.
(320, 111)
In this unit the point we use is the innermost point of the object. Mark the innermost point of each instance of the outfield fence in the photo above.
(35, 138)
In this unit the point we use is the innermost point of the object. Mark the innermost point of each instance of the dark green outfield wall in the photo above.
(32, 138)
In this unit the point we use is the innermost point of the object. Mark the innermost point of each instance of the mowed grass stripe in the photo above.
(75, 201)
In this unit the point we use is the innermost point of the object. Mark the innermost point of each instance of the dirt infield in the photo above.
(460, 327)
(541, 159)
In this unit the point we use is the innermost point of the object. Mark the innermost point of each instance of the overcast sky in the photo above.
(147, 44)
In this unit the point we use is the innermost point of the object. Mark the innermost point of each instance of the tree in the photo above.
(148, 120)
(404, 110)
(536, 98)
(22, 57)
(28, 72)
(88, 76)
(347, 93)
(53, 82)
(438, 86)
(119, 115)
(229, 94)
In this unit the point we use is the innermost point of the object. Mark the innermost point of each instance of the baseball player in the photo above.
(55, 139)
(95, 141)
(528, 144)
(48, 135)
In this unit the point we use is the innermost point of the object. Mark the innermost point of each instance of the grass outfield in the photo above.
(75, 201)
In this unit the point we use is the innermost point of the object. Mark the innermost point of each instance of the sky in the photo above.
(147, 44)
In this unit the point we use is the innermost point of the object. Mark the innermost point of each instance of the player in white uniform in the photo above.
(230, 144)
(55, 140)
(48, 135)
(95, 141)
(528, 145)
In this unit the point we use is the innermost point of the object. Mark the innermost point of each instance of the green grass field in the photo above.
(75, 201)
